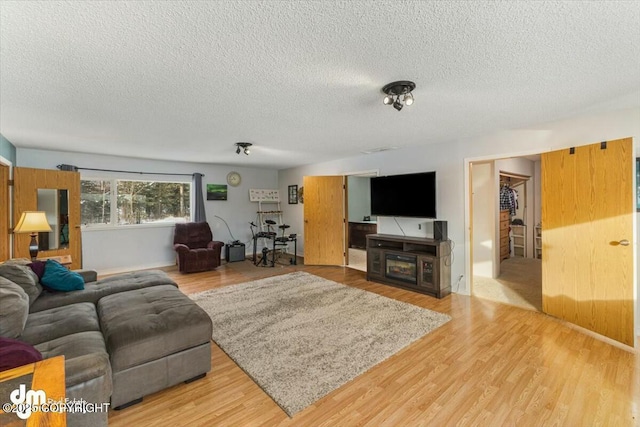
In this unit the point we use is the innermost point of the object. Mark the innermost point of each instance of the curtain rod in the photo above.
(64, 167)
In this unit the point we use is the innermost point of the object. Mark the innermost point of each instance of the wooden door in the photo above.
(324, 220)
(587, 215)
(27, 181)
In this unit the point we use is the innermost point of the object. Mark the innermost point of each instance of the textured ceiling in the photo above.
(302, 80)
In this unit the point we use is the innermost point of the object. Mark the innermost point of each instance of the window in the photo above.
(95, 202)
(120, 202)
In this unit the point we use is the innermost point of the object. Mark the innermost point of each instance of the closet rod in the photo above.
(514, 175)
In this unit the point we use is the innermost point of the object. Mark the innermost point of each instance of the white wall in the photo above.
(149, 246)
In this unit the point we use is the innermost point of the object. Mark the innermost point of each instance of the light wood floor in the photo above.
(491, 365)
(519, 283)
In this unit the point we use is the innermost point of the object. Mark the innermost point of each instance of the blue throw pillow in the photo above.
(60, 278)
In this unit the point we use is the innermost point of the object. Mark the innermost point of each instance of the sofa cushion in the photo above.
(22, 276)
(148, 324)
(59, 278)
(14, 309)
(93, 291)
(57, 322)
(14, 353)
(84, 353)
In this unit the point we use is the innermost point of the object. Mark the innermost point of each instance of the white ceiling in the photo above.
(302, 80)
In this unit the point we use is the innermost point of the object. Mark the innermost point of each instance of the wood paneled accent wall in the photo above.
(27, 181)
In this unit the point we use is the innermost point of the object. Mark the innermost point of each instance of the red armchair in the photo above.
(195, 248)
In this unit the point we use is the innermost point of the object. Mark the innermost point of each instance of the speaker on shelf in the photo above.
(440, 230)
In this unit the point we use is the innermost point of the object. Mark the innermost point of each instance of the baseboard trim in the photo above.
(119, 270)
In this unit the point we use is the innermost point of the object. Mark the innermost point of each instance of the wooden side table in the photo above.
(62, 259)
(46, 375)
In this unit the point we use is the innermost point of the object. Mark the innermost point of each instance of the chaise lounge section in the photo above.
(156, 337)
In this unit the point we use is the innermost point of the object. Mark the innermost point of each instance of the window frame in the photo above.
(113, 209)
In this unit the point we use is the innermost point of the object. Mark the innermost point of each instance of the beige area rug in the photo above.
(519, 283)
(249, 269)
(299, 336)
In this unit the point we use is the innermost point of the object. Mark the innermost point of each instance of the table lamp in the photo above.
(32, 222)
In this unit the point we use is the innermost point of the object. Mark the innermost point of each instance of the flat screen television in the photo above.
(409, 195)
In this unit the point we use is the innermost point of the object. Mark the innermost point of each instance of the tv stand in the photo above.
(414, 263)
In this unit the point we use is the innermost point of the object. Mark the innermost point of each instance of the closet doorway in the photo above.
(506, 232)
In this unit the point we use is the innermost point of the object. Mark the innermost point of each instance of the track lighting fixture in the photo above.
(243, 146)
(397, 89)
(398, 105)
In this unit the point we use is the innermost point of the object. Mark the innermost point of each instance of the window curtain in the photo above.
(199, 214)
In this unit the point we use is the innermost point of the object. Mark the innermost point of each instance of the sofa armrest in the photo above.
(215, 245)
(180, 248)
(88, 275)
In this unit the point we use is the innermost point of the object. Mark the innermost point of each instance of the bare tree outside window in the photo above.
(95, 202)
(136, 202)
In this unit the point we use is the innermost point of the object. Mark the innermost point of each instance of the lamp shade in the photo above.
(32, 222)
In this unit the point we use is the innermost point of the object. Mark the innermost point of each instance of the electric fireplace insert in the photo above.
(401, 267)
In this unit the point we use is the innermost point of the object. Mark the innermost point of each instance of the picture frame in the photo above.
(264, 195)
(293, 194)
(216, 192)
(637, 184)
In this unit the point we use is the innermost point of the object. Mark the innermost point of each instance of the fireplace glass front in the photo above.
(401, 267)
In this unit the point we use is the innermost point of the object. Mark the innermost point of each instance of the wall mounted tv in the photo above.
(409, 195)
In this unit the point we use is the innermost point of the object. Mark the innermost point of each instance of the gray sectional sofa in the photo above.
(122, 337)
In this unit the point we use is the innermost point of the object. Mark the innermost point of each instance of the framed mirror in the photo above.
(56, 205)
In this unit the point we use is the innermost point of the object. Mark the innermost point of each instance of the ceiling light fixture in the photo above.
(397, 89)
(243, 146)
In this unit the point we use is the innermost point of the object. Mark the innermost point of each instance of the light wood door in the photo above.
(324, 220)
(587, 211)
(27, 181)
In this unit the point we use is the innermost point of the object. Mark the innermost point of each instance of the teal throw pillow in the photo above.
(59, 278)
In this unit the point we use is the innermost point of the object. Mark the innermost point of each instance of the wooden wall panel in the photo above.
(587, 209)
(27, 181)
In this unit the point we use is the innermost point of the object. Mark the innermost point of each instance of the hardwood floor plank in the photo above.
(492, 364)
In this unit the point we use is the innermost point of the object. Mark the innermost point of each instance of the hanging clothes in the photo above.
(508, 200)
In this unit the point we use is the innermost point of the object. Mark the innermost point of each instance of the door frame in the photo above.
(468, 222)
(7, 210)
(468, 204)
